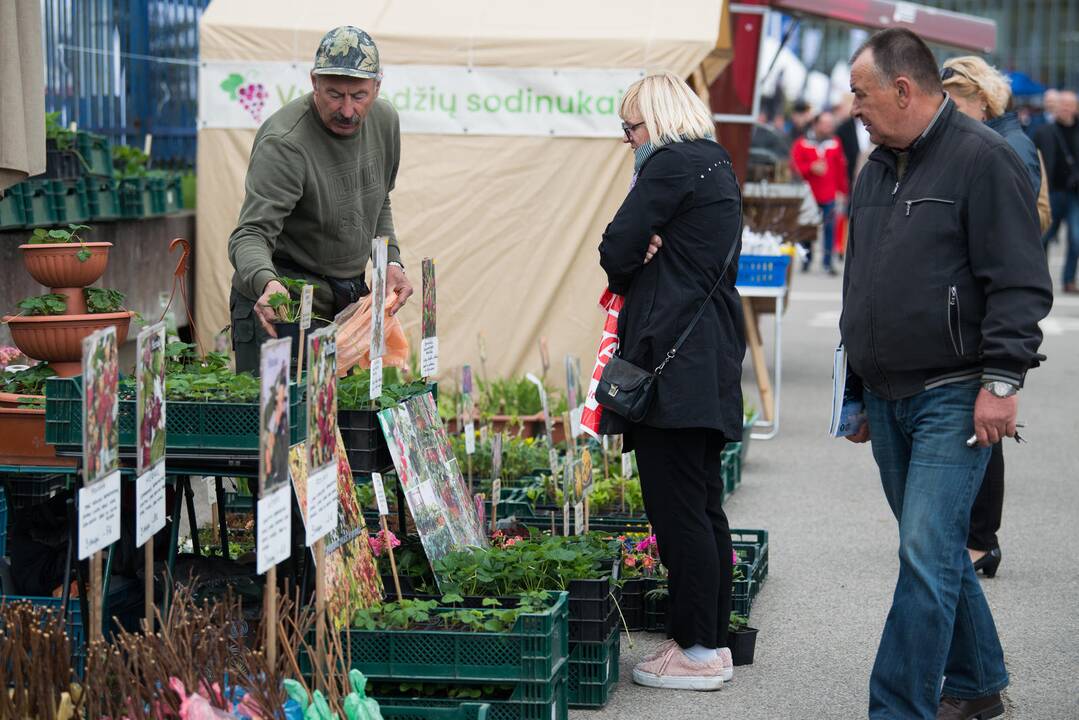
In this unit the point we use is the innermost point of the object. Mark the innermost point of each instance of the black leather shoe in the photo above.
(983, 708)
(988, 563)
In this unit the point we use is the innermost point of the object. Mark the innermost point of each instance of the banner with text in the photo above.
(436, 99)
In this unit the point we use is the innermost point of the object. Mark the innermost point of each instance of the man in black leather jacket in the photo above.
(944, 286)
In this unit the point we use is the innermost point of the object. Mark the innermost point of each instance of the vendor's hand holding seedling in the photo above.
(265, 313)
(397, 282)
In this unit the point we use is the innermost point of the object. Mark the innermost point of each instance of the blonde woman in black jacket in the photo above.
(664, 250)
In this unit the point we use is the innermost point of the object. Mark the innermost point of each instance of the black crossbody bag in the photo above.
(628, 390)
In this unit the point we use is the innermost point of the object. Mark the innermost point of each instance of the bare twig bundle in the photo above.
(35, 662)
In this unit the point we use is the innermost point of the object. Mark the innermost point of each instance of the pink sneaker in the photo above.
(660, 649)
(673, 670)
(727, 662)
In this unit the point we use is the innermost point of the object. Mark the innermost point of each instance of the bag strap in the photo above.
(723, 273)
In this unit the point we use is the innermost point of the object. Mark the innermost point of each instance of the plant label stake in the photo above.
(468, 415)
(545, 356)
(379, 251)
(99, 498)
(496, 497)
(322, 498)
(429, 343)
(150, 451)
(273, 543)
(383, 511)
(307, 296)
(627, 472)
(552, 453)
(481, 340)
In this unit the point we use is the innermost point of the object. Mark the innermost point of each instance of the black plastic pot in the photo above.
(742, 644)
(365, 444)
(60, 164)
(633, 603)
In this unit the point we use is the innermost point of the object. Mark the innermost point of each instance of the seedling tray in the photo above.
(593, 672)
(464, 711)
(632, 604)
(533, 651)
(529, 701)
(190, 426)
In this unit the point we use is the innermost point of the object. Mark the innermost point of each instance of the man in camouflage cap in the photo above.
(317, 191)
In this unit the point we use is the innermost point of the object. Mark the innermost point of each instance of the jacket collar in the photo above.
(1004, 124)
(923, 142)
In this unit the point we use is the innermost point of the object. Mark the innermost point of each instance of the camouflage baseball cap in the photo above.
(347, 50)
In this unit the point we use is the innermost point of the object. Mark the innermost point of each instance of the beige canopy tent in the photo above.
(513, 222)
(22, 92)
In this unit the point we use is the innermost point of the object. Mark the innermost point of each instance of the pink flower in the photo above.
(734, 557)
(630, 561)
(648, 543)
(511, 542)
(648, 562)
(379, 540)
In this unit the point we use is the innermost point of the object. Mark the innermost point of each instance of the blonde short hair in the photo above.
(671, 111)
(976, 79)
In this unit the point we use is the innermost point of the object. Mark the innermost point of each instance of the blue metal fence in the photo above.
(126, 68)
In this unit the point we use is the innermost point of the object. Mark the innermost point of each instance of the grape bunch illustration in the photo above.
(251, 96)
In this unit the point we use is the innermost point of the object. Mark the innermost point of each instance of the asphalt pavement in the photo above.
(833, 544)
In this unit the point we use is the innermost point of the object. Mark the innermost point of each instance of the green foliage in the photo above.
(520, 456)
(354, 390)
(738, 622)
(103, 300)
(130, 162)
(30, 381)
(287, 305)
(528, 565)
(200, 379)
(48, 304)
(410, 614)
(41, 236)
(515, 397)
(64, 138)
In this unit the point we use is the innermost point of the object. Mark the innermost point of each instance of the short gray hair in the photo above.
(898, 51)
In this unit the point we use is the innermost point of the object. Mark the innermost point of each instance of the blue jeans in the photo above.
(827, 211)
(1067, 205)
(940, 625)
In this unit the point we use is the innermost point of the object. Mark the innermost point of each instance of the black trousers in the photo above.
(988, 506)
(683, 496)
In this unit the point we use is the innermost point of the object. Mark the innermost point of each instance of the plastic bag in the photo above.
(357, 705)
(354, 338)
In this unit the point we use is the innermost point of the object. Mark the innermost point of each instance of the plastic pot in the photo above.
(742, 644)
(56, 265)
(58, 338)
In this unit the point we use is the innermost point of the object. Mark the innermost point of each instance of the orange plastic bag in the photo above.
(354, 338)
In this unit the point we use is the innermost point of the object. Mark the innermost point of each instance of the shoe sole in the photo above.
(673, 682)
(992, 712)
(727, 674)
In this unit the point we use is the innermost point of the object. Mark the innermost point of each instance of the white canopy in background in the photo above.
(22, 92)
(513, 221)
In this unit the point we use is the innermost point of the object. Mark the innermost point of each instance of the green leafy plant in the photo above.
(431, 614)
(130, 162)
(103, 300)
(737, 622)
(520, 456)
(30, 381)
(200, 379)
(354, 390)
(287, 304)
(64, 138)
(71, 234)
(48, 304)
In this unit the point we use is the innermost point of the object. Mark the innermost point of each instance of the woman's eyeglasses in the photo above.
(628, 129)
(949, 72)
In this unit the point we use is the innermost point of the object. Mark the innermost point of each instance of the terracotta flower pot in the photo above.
(55, 265)
(13, 400)
(22, 439)
(58, 338)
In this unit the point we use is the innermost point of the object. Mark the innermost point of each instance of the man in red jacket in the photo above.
(819, 158)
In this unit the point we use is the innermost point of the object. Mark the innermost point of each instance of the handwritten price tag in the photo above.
(376, 379)
(307, 296)
(380, 494)
(496, 492)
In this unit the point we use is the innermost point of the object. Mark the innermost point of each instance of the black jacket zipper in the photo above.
(922, 200)
(956, 331)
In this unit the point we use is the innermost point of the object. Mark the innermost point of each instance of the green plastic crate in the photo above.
(69, 202)
(136, 198)
(235, 502)
(171, 195)
(103, 197)
(533, 651)
(12, 208)
(731, 467)
(210, 426)
(38, 206)
(529, 701)
(464, 711)
(96, 154)
(592, 672)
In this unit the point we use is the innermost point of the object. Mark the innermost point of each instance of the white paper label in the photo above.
(575, 421)
(483, 434)
(578, 518)
(322, 501)
(99, 515)
(627, 465)
(429, 356)
(274, 541)
(307, 296)
(496, 492)
(376, 378)
(380, 494)
(470, 438)
(211, 490)
(149, 503)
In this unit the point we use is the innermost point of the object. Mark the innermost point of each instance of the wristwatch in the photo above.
(1000, 389)
(397, 263)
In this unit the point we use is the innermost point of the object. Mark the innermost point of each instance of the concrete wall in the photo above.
(140, 266)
